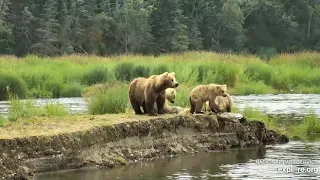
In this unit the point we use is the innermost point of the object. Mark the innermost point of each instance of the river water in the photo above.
(293, 105)
(294, 160)
(270, 162)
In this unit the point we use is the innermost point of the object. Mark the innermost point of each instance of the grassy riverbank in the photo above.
(25, 118)
(70, 76)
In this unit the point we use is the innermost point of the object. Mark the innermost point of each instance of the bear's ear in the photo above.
(173, 73)
(224, 85)
(164, 75)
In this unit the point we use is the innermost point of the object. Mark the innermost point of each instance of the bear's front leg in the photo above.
(160, 102)
(150, 105)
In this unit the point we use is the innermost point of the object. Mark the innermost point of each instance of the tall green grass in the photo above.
(113, 101)
(308, 126)
(20, 109)
(68, 76)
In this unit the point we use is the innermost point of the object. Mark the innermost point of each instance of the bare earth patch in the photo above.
(46, 126)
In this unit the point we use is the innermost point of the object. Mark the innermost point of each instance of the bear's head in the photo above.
(222, 90)
(169, 80)
(170, 94)
(219, 90)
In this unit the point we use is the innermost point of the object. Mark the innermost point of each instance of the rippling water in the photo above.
(296, 105)
(254, 163)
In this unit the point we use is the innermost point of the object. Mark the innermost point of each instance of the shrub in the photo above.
(3, 121)
(309, 125)
(97, 75)
(202, 71)
(160, 69)
(257, 71)
(253, 88)
(72, 90)
(124, 71)
(22, 109)
(12, 83)
(227, 73)
(113, 101)
(52, 109)
(54, 87)
(141, 71)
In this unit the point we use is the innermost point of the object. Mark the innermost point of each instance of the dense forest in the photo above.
(105, 27)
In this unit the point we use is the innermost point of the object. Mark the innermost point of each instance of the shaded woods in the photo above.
(104, 27)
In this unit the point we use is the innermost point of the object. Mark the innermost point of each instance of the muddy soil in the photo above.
(128, 142)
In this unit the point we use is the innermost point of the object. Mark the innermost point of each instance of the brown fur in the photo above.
(148, 92)
(224, 104)
(202, 93)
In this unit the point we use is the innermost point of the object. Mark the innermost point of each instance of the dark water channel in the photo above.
(271, 162)
(295, 160)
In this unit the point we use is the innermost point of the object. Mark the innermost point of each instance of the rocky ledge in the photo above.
(127, 142)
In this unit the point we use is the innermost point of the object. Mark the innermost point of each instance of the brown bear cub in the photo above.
(170, 96)
(202, 93)
(224, 104)
(147, 92)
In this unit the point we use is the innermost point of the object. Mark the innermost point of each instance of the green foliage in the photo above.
(96, 75)
(141, 71)
(72, 90)
(267, 53)
(309, 125)
(113, 101)
(12, 83)
(227, 73)
(259, 71)
(68, 76)
(202, 72)
(26, 109)
(52, 109)
(3, 121)
(160, 69)
(114, 27)
(124, 71)
(22, 109)
(253, 88)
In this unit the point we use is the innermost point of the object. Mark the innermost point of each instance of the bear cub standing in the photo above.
(202, 93)
(148, 92)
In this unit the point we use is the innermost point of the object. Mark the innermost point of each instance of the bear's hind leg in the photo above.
(136, 108)
(198, 107)
(160, 102)
(192, 106)
(144, 107)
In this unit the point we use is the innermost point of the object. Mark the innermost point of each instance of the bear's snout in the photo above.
(176, 84)
(224, 95)
(172, 101)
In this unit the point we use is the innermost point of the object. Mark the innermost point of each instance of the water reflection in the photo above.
(198, 166)
(270, 162)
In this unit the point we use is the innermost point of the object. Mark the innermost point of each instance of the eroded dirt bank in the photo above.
(127, 142)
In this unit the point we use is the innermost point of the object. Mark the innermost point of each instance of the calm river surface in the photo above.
(257, 163)
(295, 105)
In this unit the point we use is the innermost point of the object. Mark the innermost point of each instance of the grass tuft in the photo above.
(113, 101)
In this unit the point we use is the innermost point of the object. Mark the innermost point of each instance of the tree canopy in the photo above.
(106, 27)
